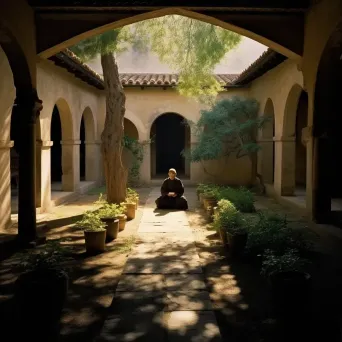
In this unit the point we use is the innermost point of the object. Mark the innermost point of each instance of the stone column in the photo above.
(5, 189)
(70, 165)
(285, 163)
(265, 159)
(145, 168)
(28, 107)
(93, 161)
(43, 168)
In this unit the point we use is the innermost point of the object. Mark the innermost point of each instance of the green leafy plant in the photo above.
(229, 218)
(110, 210)
(242, 198)
(288, 261)
(51, 256)
(132, 194)
(272, 232)
(91, 222)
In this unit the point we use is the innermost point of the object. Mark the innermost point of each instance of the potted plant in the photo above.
(134, 196)
(94, 232)
(108, 214)
(289, 280)
(237, 235)
(41, 290)
(210, 196)
(130, 207)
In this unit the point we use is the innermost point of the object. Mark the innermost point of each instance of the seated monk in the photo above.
(172, 192)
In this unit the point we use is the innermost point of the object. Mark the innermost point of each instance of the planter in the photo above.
(95, 241)
(137, 203)
(39, 296)
(236, 243)
(210, 212)
(209, 202)
(122, 221)
(291, 293)
(112, 228)
(130, 210)
(201, 198)
(223, 236)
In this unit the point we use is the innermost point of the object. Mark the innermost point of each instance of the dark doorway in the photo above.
(82, 151)
(56, 148)
(169, 142)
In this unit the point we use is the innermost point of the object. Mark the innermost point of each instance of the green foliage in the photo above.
(272, 232)
(91, 222)
(289, 261)
(132, 194)
(229, 218)
(137, 149)
(242, 198)
(110, 210)
(228, 127)
(191, 48)
(51, 256)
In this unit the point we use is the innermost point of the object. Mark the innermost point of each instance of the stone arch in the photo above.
(49, 51)
(267, 144)
(66, 119)
(136, 121)
(286, 148)
(326, 132)
(88, 142)
(163, 144)
(130, 129)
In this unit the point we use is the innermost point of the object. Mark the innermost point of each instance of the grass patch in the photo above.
(127, 244)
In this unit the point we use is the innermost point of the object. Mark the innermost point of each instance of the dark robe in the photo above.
(167, 202)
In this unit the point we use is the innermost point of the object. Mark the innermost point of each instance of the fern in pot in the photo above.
(41, 290)
(108, 214)
(290, 282)
(94, 232)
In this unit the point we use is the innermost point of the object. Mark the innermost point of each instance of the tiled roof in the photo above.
(141, 79)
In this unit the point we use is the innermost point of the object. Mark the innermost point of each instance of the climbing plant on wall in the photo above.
(228, 128)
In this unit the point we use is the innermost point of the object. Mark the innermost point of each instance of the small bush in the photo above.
(272, 232)
(242, 198)
(288, 261)
(229, 218)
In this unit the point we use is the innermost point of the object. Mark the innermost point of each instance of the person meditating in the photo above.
(172, 192)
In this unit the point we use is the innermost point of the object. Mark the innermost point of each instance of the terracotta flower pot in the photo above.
(95, 241)
(137, 203)
(236, 243)
(112, 228)
(223, 236)
(209, 202)
(210, 212)
(122, 221)
(130, 210)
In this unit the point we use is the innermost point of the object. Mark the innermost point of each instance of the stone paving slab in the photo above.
(188, 301)
(161, 295)
(192, 326)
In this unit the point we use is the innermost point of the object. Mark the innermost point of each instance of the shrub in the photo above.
(288, 261)
(229, 218)
(242, 198)
(91, 222)
(272, 232)
(110, 210)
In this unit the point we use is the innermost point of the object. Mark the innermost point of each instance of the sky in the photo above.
(234, 62)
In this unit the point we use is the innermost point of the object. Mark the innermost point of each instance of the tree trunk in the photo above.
(112, 135)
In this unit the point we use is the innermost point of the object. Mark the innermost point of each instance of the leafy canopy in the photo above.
(189, 47)
(229, 126)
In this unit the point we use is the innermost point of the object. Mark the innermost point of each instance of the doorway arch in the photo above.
(170, 137)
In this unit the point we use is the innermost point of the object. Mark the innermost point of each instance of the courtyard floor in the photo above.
(167, 278)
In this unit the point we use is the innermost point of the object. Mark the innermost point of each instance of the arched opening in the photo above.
(82, 151)
(56, 150)
(327, 187)
(130, 130)
(267, 144)
(170, 137)
(87, 141)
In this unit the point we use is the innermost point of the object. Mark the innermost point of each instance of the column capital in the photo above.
(93, 142)
(44, 144)
(6, 144)
(282, 138)
(28, 99)
(71, 142)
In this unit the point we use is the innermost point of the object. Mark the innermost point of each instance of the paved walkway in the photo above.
(161, 295)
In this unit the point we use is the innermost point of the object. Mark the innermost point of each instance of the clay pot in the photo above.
(209, 202)
(122, 221)
(95, 241)
(210, 212)
(112, 228)
(236, 243)
(223, 236)
(130, 210)
(137, 203)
